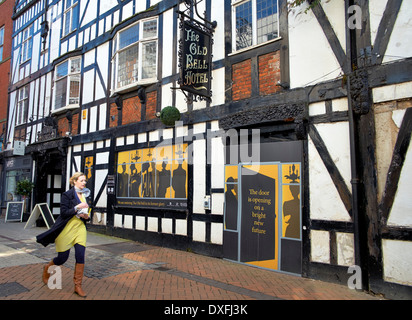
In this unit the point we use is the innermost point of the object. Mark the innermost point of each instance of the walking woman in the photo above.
(69, 230)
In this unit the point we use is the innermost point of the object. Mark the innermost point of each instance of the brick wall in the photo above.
(151, 104)
(269, 73)
(242, 80)
(114, 114)
(63, 126)
(132, 110)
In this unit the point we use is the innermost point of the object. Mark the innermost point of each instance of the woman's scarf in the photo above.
(84, 191)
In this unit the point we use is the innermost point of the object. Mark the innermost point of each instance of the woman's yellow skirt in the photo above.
(73, 233)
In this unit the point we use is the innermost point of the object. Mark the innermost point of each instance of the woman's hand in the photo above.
(84, 216)
(82, 205)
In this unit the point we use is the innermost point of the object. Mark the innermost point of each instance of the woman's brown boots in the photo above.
(78, 277)
(46, 274)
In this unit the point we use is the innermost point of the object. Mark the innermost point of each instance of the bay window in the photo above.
(67, 83)
(135, 55)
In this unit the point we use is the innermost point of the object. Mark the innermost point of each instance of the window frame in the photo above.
(2, 31)
(67, 77)
(237, 3)
(140, 44)
(22, 109)
(26, 44)
(72, 26)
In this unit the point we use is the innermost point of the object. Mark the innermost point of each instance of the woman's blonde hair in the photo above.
(75, 177)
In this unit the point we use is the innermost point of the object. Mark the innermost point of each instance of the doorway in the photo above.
(263, 216)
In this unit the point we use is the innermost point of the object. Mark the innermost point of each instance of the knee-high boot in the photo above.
(46, 274)
(78, 277)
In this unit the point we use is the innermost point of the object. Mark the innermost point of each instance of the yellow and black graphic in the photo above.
(291, 201)
(88, 171)
(231, 198)
(153, 177)
(259, 241)
(263, 215)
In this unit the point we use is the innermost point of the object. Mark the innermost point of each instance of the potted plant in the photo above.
(24, 188)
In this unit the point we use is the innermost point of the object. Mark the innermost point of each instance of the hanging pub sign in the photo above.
(196, 58)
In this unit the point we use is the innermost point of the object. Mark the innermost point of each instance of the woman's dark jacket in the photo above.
(68, 201)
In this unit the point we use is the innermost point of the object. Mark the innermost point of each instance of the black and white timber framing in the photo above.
(340, 86)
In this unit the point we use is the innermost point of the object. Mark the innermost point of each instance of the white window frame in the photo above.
(235, 4)
(1, 42)
(26, 44)
(69, 12)
(71, 73)
(22, 105)
(116, 87)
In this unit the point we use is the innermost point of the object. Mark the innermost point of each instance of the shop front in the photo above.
(263, 216)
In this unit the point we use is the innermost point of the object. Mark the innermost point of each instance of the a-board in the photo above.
(14, 211)
(44, 210)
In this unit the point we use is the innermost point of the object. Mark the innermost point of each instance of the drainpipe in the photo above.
(355, 159)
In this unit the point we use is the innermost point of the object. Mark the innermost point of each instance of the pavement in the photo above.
(118, 269)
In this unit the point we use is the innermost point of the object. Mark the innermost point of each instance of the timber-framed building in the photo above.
(292, 151)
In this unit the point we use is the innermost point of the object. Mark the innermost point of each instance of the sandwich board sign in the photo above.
(43, 210)
(14, 211)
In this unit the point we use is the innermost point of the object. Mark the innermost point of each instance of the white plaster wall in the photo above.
(88, 77)
(55, 35)
(400, 46)
(397, 261)
(219, 34)
(335, 11)
(89, 14)
(181, 227)
(99, 180)
(376, 9)
(152, 224)
(320, 250)
(401, 212)
(392, 92)
(167, 225)
(128, 222)
(336, 138)
(199, 231)
(319, 63)
(218, 87)
(106, 5)
(199, 175)
(118, 221)
(345, 248)
(216, 233)
(127, 10)
(139, 223)
(325, 202)
(102, 58)
(167, 47)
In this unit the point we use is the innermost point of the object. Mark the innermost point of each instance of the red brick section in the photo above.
(114, 114)
(156, 284)
(269, 73)
(242, 80)
(151, 104)
(131, 110)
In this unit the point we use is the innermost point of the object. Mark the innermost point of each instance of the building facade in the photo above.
(6, 29)
(292, 148)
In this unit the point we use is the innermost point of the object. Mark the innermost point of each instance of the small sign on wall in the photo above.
(19, 148)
